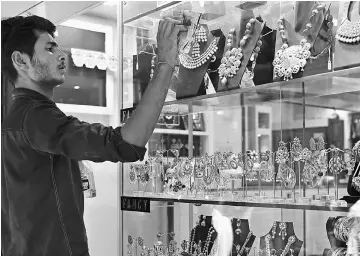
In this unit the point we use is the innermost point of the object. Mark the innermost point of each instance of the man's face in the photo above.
(48, 65)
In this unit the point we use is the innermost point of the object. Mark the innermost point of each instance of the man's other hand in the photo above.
(167, 40)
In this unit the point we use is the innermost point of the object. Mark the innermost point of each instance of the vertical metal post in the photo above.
(191, 155)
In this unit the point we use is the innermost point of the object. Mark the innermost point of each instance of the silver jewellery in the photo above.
(249, 72)
(283, 233)
(349, 31)
(240, 249)
(342, 228)
(195, 62)
(290, 59)
(172, 247)
(231, 61)
(238, 224)
(272, 252)
(200, 37)
(273, 231)
(159, 248)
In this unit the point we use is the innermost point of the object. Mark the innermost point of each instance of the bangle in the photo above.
(164, 62)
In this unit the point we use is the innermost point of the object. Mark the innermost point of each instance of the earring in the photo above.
(198, 221)
(238, 230)
(196, 50)
(282, 232)
(282, 153)
(296, 149)
(273, 232)
(137, 62)
(159, 246)
(130, 245)
(172, 248)
(203, 222)
(184, 246)
(142, 246)
(200, 35)
(132, 174)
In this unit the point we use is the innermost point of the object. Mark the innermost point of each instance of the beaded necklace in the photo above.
(349, 31)
(290, 59)
(231, 61)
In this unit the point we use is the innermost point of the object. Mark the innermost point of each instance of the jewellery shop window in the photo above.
(89, 42)
(273, 169)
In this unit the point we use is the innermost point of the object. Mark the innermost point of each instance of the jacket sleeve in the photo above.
(48, 129)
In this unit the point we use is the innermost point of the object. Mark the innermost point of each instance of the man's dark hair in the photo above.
(20, 34)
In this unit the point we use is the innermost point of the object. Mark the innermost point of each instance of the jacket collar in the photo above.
(24, 92)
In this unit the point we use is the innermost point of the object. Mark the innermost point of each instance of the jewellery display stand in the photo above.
(263, 72)
(202, 236)
(295, 21)
(214, 65)
(280, 239)
(243, 237)
(348, 54)
(189, 80)
(277, 156)
(234, 82)
(334, 243)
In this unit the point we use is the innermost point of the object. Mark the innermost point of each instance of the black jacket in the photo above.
(42, 202)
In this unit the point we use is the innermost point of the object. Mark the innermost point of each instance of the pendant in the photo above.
(290, 60)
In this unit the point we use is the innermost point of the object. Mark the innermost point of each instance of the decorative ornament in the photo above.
(349, 31)
(296, 149)
(231, 61)
(282, 153)
(283, 233)
(195, 62)
(273, 231)
(238, 224)
(290, 60)
(201, 35)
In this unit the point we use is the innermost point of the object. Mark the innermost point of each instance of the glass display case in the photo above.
(260, 153)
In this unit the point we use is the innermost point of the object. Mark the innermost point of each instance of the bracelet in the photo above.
(164, 62)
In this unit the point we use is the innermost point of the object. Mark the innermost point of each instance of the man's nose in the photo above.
(62, 56)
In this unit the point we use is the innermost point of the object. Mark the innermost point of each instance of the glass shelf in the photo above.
(338, 89)
(199, 202)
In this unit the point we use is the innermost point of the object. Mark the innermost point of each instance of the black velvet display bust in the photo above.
(278, 243)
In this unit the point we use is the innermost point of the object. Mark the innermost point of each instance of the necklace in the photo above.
(195, 62)
(240, 249)
(231, 61)
(290, 59)
(205, 249)
(291, 240)
(349, 31)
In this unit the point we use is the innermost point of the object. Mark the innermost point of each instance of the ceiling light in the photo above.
(76, 87)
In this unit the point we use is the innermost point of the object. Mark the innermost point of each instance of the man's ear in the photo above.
(20, 60)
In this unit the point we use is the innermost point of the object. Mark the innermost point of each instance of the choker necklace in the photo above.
(240, 249)
(290, 59)
(349, 31)
(271, 252)
(195, 62)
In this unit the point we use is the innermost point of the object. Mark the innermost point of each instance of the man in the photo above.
(42, 200)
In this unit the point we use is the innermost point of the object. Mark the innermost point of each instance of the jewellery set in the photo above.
(197, 59)
(193, 175)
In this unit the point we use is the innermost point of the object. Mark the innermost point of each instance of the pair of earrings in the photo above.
(282, 227)
(200, 37)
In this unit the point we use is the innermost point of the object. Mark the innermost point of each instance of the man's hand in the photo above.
(167, 40)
